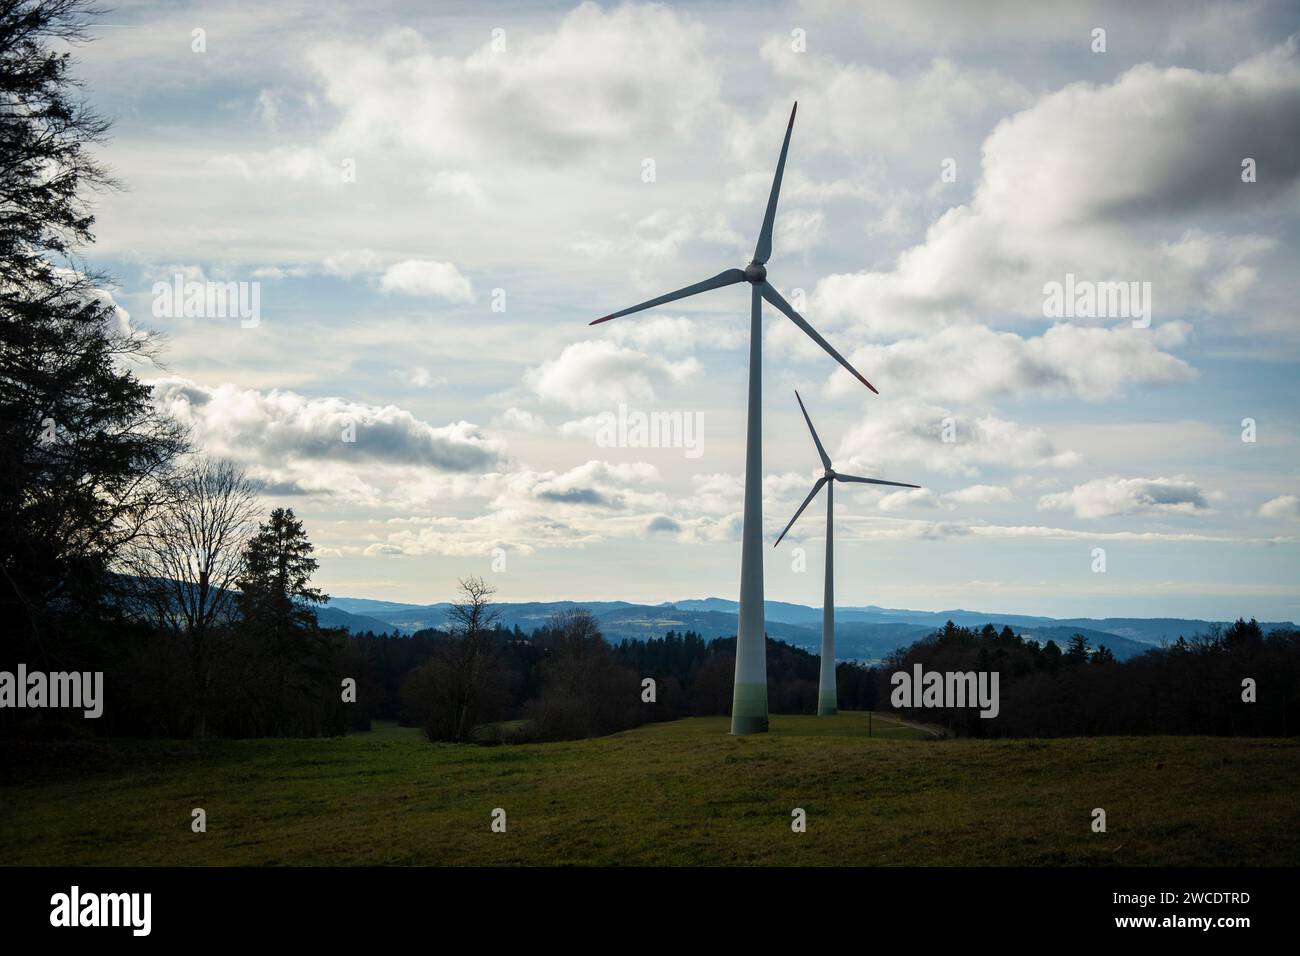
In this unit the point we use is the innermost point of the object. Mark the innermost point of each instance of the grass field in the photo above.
(679, 793)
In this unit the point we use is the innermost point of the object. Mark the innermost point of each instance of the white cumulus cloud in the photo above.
(426, 277)
(1283, 506)
(916, 436)
(599, 374)
(1115, 496)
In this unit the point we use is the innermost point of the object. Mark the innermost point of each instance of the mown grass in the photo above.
(679, 793)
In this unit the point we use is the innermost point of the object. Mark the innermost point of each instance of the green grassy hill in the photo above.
(679, 793)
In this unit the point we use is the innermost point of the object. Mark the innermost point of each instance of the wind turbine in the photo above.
(749, 700)
(827, 693)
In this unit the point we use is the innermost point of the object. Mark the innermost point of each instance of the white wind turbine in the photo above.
(749, 700)
(827, 693)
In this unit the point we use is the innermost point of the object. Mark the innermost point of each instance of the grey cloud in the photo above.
(276, 427)
(573, 496)
(1158, 142)
(662, 524)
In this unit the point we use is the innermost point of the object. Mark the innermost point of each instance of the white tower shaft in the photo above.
(749, 699)
(827, 695)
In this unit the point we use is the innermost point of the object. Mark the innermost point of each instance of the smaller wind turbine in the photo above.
(827, 694)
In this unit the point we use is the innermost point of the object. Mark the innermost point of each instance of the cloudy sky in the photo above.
(435, 199)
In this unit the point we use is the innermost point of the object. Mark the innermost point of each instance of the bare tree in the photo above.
(462, 683)
(472, 621)
(472, 616)
(187, 565)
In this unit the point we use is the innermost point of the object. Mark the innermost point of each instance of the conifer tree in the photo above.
(85, 449)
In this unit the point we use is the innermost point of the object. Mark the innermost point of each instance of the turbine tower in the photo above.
(749, 701)
(827, 693)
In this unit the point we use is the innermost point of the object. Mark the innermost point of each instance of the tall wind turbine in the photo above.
(827, 693)
(749, 702)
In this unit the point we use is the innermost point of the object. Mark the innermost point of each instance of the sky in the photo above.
(431, 201)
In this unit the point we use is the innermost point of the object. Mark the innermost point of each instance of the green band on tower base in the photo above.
(827, 703)
(744, 726)
(749, 709)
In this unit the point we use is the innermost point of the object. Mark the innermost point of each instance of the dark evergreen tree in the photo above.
(1102, 655)
(275, 585)
(84, 446)
(1243, 635)
(1051, 655)
(1076, 652)
(289, 657)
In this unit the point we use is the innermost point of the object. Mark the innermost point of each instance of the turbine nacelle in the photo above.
(756, 272)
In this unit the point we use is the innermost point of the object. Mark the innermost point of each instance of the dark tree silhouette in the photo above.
(84, 447)
(1076, 652)
(462, 683)
(586, 692)
(185, 567)
(1102, 655)
(275, 579)
(284, 646)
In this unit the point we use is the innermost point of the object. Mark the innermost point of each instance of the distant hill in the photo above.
(861, 633)
(356, 623)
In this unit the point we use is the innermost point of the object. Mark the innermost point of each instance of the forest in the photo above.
(1233, 681)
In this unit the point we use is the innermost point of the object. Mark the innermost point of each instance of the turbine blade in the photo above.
(770, 293)
(763, 251)
(811, 495)
(874, 481)
(826, 459)
(729, 277)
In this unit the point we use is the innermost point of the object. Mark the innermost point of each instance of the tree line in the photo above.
(1233, 681)
(478, 681)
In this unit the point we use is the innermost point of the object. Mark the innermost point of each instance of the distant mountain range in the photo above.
(861, 633)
